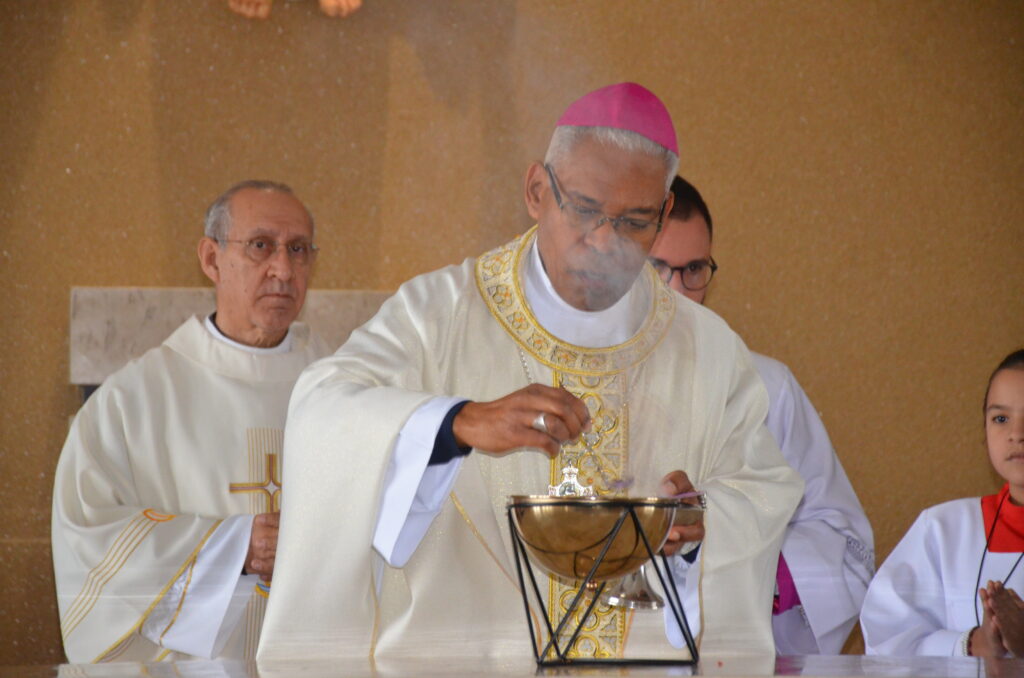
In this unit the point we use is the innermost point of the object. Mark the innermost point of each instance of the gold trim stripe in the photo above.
(121, 649)
(263, 450)
(133, 534)
(163, 592)
(181, 601)
(375, 632)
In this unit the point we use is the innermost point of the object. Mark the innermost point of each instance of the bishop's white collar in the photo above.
(593, 329)
(284, 347)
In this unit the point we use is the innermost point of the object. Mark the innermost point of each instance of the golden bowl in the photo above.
(565, 535)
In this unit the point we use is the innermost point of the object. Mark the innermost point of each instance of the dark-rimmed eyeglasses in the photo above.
(588, 218)
(259, 250)
(695, 275)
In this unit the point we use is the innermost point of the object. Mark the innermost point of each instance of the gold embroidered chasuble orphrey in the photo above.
(601, 378)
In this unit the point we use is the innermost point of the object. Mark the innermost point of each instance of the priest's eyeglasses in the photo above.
(259, 250)
(588, 219)
(696, 275)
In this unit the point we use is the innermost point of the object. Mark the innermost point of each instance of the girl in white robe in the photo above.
(950, 587)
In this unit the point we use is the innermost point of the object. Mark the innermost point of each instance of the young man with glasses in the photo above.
(827, 555)
(167, 492)
(403, 448)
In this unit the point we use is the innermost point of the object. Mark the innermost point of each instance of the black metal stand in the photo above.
(555, 655)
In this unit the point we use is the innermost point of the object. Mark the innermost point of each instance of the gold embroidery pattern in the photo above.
(600, 378)
(498, 281)
(604, 633)
(264, 484)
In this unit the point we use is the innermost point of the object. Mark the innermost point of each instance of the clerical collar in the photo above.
(595, 329)
(1008, 536)
(284, 347)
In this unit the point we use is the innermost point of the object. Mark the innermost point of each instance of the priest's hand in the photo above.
(263, 545)
(1008, 613)
(677, 482)
(985, 640)
(505, 424)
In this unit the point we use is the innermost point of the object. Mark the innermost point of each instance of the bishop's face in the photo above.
(1004, 428)
(595, 244)
(261, 275)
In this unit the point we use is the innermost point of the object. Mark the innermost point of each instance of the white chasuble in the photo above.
(680, 394)
(168, 452)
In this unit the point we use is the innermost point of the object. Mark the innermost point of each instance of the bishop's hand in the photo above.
(507, 423)
(677, 482)
(263, 545)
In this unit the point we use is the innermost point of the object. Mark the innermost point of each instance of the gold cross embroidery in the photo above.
(269, 487)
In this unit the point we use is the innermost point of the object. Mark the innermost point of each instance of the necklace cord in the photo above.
(981, 564)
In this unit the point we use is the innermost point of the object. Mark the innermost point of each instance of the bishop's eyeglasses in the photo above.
(695, 275)
(588, 218)
(300, 252)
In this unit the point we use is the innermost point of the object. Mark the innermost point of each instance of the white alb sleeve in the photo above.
(203, 606)
(414, 492)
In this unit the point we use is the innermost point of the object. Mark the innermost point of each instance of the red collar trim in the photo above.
(1008, 536)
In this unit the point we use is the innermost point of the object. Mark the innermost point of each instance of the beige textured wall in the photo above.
(863, 161)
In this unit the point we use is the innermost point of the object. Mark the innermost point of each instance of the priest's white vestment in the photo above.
(680, 394)
(829, 545)
(924, 598)
(153, 496)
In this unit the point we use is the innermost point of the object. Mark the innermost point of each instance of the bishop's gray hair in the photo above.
(218, 214)
(566, 137)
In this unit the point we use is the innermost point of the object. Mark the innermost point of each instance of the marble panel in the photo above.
(112, 325)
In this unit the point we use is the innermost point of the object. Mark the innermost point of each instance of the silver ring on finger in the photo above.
(540, 424)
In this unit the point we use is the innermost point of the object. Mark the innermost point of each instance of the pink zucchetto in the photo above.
(627, 106)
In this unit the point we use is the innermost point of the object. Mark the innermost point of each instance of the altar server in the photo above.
(828, 553)
(156, 550)
(403, 448)
(952, 585)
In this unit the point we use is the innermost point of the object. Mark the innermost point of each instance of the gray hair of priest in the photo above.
(218, 214)
(566, 137)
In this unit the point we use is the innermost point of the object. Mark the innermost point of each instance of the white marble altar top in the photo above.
(846, 666)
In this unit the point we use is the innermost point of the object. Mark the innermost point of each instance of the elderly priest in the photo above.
(403, 447)
(156, 549)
